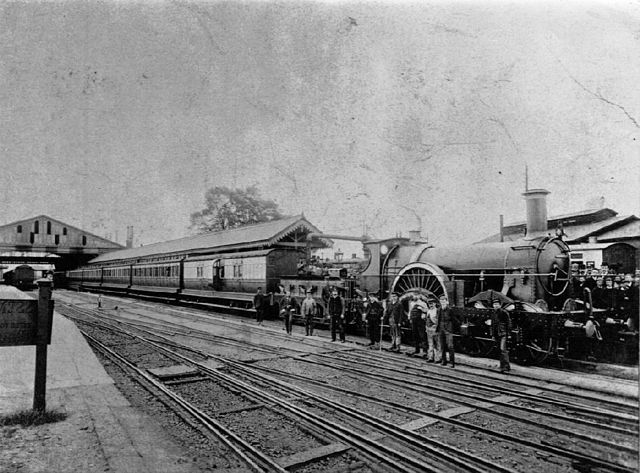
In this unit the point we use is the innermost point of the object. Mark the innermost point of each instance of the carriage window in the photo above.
(84, 240)
(19, 229)
(168, 271)
(48, 228)
(64, 231)
(199, 271)
(57, 239)
(36, 227)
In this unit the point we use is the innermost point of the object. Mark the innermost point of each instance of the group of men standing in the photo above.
(432, 322)
(432, 325)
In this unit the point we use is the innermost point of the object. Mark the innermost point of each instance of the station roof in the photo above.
(606, 224)
(290, 231)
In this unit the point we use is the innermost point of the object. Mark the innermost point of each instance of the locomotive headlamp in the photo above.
(384, 249)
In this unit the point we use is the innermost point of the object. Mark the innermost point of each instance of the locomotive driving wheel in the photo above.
(422, 279)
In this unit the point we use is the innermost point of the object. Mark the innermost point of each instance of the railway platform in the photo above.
(101, 430)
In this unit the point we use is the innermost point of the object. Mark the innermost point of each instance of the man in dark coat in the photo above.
(445, 327)
(289, 308)
(259, 304)
(501, 329)
(416, 312)
(372, 314)
(336, 307)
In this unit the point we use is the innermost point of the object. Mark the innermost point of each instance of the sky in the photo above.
(389, 116)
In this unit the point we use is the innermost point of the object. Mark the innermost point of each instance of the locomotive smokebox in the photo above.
(536, 210)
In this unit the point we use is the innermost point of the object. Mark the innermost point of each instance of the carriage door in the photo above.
(218, 275)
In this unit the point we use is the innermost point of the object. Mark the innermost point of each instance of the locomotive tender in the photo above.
(530, 277)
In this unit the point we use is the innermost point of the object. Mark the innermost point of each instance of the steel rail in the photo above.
(626, 418)
(345, 434)
(541, 446)
(237, 444)
(633, 406)
(378, 423)
(568, 454)
(413, 385)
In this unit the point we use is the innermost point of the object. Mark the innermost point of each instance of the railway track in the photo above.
(257, 373)
(440, 457)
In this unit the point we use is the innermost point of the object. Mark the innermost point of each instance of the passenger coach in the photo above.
(223, 267)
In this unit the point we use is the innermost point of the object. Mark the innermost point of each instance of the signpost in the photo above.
(26, 321)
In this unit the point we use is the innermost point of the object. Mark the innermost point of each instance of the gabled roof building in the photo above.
(43, 239)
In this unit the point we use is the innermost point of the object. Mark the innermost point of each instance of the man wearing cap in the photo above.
(431, 321)
(336, 308)
(501, 328)
(416, 311)
(289, 308)
(446, 319)
(372, 313)
(393, 316)
(308, 310)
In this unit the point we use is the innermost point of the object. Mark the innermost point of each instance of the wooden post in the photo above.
(43, 338)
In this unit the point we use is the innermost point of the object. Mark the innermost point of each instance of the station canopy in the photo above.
(290, 232)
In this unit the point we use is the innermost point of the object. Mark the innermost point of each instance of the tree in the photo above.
(227, 208)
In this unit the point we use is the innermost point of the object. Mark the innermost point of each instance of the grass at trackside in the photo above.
(30, 417)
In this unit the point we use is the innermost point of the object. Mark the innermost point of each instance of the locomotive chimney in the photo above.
(536, 210)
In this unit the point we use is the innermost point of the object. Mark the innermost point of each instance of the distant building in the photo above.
(596, 237)
(45, 240)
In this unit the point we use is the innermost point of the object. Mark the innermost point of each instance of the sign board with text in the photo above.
(18, 322)
(27, 321)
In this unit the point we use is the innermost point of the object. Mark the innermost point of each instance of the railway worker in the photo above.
(99, 301)
(309, 310)
(259, 304)
(336, 307)
(431, 321)
(393, 316)
(501, 328)
(446, 319)
(373, 314)
(289, 308)
(416, 312)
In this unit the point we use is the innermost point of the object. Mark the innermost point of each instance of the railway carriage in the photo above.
(156, 274)
(240, 272)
